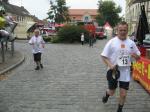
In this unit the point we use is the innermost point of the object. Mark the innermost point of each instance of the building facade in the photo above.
(133, 11)
(82, 15)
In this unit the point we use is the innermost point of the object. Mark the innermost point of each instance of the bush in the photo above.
(47, 38)
(55, 39)
(71, 33)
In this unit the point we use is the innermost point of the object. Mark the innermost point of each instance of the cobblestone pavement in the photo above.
(73, 80)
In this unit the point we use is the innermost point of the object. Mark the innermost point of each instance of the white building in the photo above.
(133, 11)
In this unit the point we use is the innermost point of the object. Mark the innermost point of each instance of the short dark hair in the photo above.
(122, 23)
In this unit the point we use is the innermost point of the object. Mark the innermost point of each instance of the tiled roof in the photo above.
(82, 11)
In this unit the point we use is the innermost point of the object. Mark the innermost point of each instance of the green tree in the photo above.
(108, 11)
(58, 11)
(53, 11)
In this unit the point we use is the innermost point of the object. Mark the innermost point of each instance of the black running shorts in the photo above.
(113, 84)
(37, 57)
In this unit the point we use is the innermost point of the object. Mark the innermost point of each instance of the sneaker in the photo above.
(104, 99)
(37, 68)
(119, 110)
(41, 65)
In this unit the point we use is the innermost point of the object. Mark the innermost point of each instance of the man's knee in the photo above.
(123, 93)
(111, 92)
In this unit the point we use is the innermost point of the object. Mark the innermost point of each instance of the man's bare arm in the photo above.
(107, 62)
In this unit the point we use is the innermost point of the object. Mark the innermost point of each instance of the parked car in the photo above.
(100, 33)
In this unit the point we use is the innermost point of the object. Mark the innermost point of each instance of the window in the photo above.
(86, 19)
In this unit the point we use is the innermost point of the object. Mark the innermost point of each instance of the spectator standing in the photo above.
(82, 38)
(90, 39)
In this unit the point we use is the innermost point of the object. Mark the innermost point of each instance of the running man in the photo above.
(118, 52)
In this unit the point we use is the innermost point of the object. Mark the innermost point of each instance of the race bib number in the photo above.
(124, 60)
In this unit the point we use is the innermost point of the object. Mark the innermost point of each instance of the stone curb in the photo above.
(14, 65)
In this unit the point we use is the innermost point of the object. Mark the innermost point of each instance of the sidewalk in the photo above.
(10, 61)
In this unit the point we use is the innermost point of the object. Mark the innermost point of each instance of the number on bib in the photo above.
(124, 60)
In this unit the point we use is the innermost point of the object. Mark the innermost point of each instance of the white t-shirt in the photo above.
(37, 44)
(82, 37)
(118, 52)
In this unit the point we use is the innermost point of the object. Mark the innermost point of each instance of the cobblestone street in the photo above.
(72, 80)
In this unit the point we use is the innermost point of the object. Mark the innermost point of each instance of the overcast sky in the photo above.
(39, 8)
